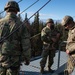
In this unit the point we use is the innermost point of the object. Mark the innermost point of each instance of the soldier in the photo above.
(68, 23)
(50, 37)
(16, 47)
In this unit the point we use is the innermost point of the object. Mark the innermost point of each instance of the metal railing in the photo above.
(64, 42)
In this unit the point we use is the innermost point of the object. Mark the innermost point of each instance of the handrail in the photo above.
(59, 53)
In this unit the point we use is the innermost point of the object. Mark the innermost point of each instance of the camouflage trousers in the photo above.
(47, 54)
(9, 65)
(4, 71)
(71, 64)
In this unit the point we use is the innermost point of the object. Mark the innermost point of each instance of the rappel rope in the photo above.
(26, 8)
(35, 35)
(3, 38)
(19, 1)
(29, 6)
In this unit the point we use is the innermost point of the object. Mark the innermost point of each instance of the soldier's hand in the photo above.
(67, 51)
(27, 62)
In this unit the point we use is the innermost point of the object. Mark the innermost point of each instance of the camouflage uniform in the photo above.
(14, 48)
(49, 46)
(70, 43)
(71, 47)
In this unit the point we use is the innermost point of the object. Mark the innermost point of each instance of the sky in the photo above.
(55, 9)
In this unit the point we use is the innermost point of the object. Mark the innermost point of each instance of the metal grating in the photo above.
(34, 67)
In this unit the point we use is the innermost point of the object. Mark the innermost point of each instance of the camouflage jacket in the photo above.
(71, 40)
(47, 34)
(18, 43)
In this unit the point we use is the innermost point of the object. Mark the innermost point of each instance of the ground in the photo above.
(58, 66)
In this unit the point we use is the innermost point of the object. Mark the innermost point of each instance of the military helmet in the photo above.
(49, 20)
(12, 4)
(66, 19)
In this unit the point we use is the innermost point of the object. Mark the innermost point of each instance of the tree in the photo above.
(36, 23)
(37, 43)
(41, 25)
(27, 23)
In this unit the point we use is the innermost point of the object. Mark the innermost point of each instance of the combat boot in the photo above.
(42, 70)
(66, 72)
(50, 70)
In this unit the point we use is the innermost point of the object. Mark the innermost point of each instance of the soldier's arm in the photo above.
(71, 43)
(26, 45)
(45, 36)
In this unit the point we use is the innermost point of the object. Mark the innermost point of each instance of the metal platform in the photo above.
(34, 67)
